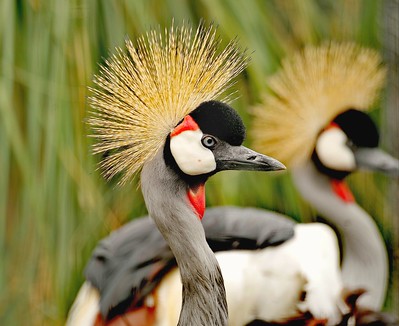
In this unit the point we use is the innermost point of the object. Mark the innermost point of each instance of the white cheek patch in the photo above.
(189, 153)
(333, 152)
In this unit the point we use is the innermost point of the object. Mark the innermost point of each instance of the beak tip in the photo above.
(277, 165)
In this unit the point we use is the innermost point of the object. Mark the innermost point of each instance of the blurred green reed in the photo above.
(54, 205)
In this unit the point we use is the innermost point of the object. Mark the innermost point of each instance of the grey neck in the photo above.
(365, 261)
(204, 297)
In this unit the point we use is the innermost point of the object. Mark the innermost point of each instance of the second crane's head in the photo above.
(316, 112)
(350, 142)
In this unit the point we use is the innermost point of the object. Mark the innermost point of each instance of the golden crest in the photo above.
(142, 95)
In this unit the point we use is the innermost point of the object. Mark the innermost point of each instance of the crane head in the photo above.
(144, 92)
(350, 142)
(313, 87)
(209, 140)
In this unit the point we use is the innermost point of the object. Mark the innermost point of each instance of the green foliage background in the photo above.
(54, 205)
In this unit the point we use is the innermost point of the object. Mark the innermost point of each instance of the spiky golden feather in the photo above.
(312, 88)
(141, 95)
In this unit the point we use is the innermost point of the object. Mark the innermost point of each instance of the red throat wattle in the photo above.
(341, 189)
(196, 196)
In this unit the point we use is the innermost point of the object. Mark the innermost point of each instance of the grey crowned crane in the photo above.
(296, 281)
(317, 125)
(155, 110)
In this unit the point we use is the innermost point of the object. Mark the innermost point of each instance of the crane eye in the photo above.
(209, 142)
(351, 144)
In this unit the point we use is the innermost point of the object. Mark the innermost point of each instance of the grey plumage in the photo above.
(122, 265)
(364, 258)
(245, 228)
(165, 194)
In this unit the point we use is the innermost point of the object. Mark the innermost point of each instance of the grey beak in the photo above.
(242, 158)
(376, 159)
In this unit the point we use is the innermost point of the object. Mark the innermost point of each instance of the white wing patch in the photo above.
(318, 256)
(267, 284)
(333, 152)
(85, 308)
(189, 153)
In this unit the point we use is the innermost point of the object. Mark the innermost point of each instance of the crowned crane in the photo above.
(278, 284)
(317, 125)
(155, 110)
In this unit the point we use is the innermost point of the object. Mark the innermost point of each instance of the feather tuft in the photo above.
(143, 94)
(308, 92)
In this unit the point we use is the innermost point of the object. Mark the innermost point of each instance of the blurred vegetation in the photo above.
(54, 205)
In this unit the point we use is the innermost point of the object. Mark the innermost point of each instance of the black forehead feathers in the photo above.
(220, 120)
(359, 128)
